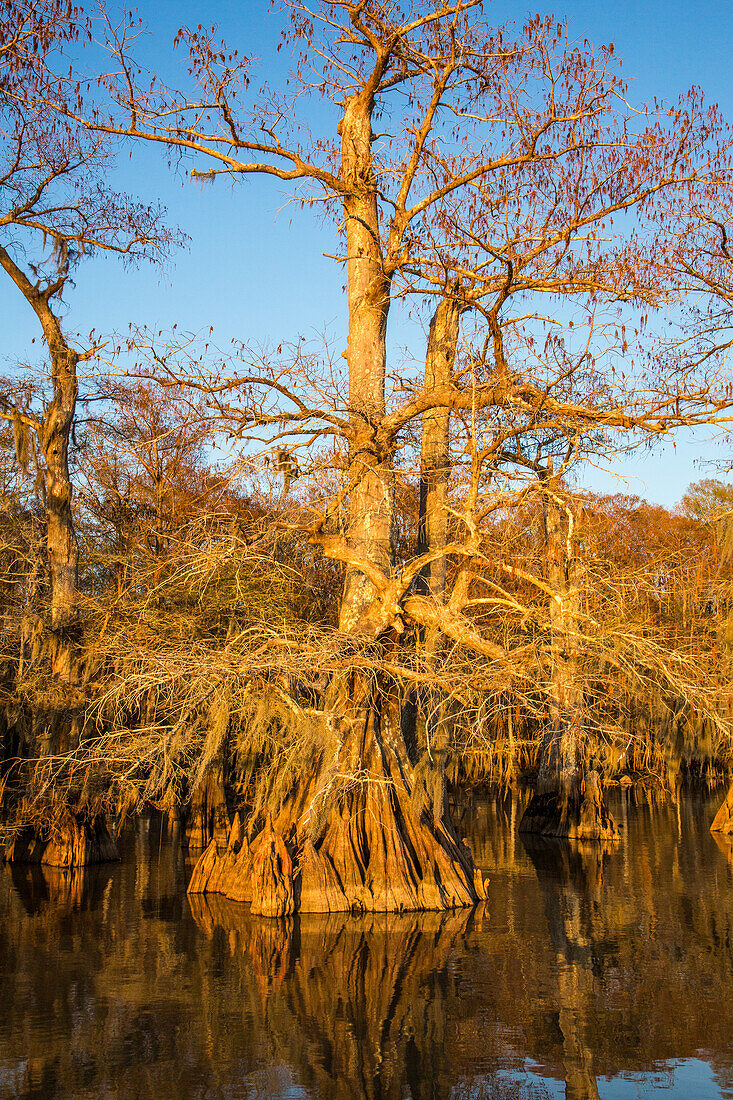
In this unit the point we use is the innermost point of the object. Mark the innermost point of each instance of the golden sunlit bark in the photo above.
(484, 187)
(723, 820)
(370, 475)
(568, 800)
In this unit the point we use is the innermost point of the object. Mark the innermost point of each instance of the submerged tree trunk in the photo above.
(569, 800)
(723, 820)
(76, 840)
(355, 832)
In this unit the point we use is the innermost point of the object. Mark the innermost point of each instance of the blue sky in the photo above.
(254, 268)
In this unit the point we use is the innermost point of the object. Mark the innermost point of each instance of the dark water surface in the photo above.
(589, 973)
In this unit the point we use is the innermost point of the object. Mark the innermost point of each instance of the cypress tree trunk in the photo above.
(432, 532)
(723, 820)
(206, 817)
(376, 848)
(350, 835)
(76, 836)
(61, 545)
(569, 799)
(425, 718)
(370, 469)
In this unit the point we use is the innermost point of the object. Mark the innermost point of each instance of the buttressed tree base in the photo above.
(377, 849)
(723, 820)
(486, 173)
(75, 842)
(576, 816)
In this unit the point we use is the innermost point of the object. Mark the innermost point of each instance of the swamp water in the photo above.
(590, 972)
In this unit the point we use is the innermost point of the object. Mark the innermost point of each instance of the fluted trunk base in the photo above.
(375, 854)
(575, 816)
(723, 820)
(75, 842)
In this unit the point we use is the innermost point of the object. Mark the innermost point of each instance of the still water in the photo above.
(588, 973)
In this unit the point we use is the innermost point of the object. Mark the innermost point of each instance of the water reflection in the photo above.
(725, 843)
(60, 889)
(360, 1004)
(571, 878)
(589, 973)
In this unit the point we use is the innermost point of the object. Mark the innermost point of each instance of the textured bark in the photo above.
(723, 820)
(206, 817)
(53, 638)
(77, 840)
(432, 533)
(378, 846)
(569, 800)
(370, 471)
(54, 436)
(376, 849)
(61, 544)
(577, 811)
(424, 718)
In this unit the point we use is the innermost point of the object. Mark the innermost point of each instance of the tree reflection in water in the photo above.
(725, 843)
(359, 1003)
(585, 966)
(60, 889)
(570, 875)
